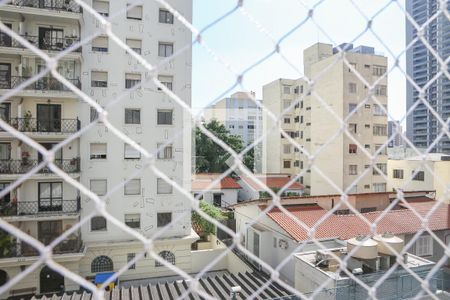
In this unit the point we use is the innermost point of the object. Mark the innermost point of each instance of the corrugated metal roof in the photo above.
(218, 286)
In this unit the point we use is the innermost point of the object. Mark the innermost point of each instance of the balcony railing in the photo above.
(25, 165)
(45, 126)
(52, 44)
(70, 245)
(58, 5)
(42, 84)
(41, 207)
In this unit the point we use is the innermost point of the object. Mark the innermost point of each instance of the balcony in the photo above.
(25, 165)
(55, 5)
(40, 208)
(42, 84)
(41, 125)
(50, 44)
(70, 245)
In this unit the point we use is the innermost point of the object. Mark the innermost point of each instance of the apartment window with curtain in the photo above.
(132, 79)
(420, 176)
(378, 110)
(166, 152)
(5, 151)
(98, 151)
(102, 7)
(383, 151)
(98, 186)
(167, 81)
(352, 148)
(382, 167)
(353, 170)
(164, 117)
(379, 129)
(379, 187)
(380, 90)
(133, 187)
(100, 44)
(132, 116)
(99, 79)
(133, 220)
(135, 45)
(397, 173)
(165, 49)
(134, 13)
(131, 153)
(163, 187)
(165, 16)
(378, 70)
(424, 245)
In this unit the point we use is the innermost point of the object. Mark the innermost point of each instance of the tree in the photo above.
(210, 157)
(202, 224)
(7, 244)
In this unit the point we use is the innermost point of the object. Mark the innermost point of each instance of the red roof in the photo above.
(273, 182)
(400, 221)
(202, 180)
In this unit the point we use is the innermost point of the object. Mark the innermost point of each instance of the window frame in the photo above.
(133, 219)
(164, 52)
(101, 156)
(160, 221)
(128, 192)
(134, 120)
(165, 119)
(98, 218)
(429, 245)
(164, 14)
(98, 180)
(137, 156)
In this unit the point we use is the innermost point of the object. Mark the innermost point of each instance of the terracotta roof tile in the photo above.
(202, 180)
(272, 182)
(400, 221)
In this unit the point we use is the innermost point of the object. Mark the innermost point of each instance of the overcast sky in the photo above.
(241, 44)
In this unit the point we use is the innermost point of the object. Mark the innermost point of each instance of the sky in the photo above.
(240, 43)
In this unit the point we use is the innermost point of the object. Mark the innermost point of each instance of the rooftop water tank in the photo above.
(367, 248)
(394, 242)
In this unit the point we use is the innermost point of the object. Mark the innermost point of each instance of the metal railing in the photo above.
(40, 207)
(22, 249)
(58, 5)
(25, 165)
(44, 125)
(42, 84)
(51, 44)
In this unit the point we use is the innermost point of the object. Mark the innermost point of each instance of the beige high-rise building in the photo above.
(314, 127)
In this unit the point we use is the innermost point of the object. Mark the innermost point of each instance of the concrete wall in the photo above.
(406, 183)
(229, 196)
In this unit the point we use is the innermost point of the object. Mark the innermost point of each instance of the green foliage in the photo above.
(210, 157)
(6, 244)
(205, 226)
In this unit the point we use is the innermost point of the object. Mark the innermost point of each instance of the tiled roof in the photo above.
(399, 221)
(272, 182)
(202, 180)
(218, 287)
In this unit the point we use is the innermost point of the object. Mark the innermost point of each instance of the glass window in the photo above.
(351, 107)
(353, 128)
(163, 218)
(379, 187)
(100, 44)
(163, 187)
(133, 187)
(378, 70)
(286, 149)
(165, 153)
(98, 150)
(286, 164)
(102, 264)
(98, 223)
(135, 45)
(380, 129)
(352, 148)
(420, 176)
(5, 112)
(50, 196)
(132, 116)
(98, 186)
(380, 90)
(130, 257)
(397, 173)
(286, 89)
(167, 81)
(378, 110)
(167, 256)
(130, 152)
(133, 220)
(132, 79)
(164, 117)
(424, 245)
(165, 16)
(99, 79)
(135, 12)
(5, 151)
(102, 7)
(352, 87)
(353, 170)
(165, 49)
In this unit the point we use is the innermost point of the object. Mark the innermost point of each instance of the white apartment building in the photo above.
(242, 117)
(44, 206)
(314, 128)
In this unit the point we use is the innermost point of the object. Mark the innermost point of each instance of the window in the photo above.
(94, 114)
(167, 81)
(5, 109)
(368, 209)
(135, 45)
(133, 220)
(167, 256)
(166, 152)
(367, 186)
(163, 218)
(98, 223)
(287, 120)
(165, 16)
(102, 264)
(130, 152)
(424, 245)
(286, 89)
(352, 148)
(102, 7)
(100, 44)
(380, 90)
(379, 129)
(99, 79)
(250, 126)
(130, 257)
(352, 88)
(274, 242)
(132, 116)
(378, 70)
(50, 196)
(297, 163)
(134, 13)
(367, 106)
(378, 110)
(286, 164)
(367, 126)
(379, 187)
(352, 127)
(351, 107)
(165, 49)
(342, 212)
(163, 187)
(286, 149)
(165, 117)
(397, 173)
(352, 170)
(383, 151)
(98, 150)
(382, 167)
(420, 176)
(133, 187)
(367, 146)
(98, 186)
(286, 103)
(5, 151)
(132, 79)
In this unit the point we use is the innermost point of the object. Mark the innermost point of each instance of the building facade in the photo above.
(44, 206)
(395, 139)
(422, 66)
(242, 117)
(309, 122)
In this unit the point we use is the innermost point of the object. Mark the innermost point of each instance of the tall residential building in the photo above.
(393, 128)
(242, 117)
(314, 128)
(44, 206)
(422, 66)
